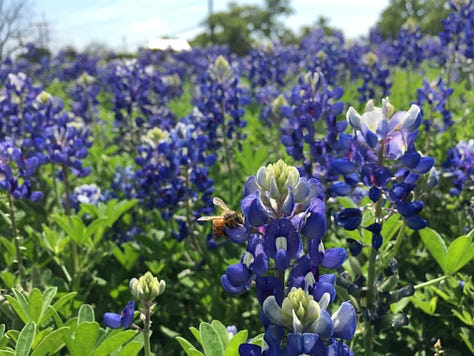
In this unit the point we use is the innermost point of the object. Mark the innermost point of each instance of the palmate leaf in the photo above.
(452, 258)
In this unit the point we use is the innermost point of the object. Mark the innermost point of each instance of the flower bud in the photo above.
(147, 287)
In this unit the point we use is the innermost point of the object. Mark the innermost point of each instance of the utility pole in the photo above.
(210, 6)
(43, 32)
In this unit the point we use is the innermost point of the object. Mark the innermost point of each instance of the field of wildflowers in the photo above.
(311, 199)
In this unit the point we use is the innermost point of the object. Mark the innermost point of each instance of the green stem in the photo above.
(398, 243)
(371, 274)
(146, 329)
(73, 244)
(427, 283)
(17, 238)
(369, 330)
(189, 220)
(227, 156)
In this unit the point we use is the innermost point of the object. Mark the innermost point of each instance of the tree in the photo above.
(240, 26)
(426, 14)
(11, 24)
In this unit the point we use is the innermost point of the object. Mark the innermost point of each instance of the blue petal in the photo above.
(250, 350)
(315, 224)
(112, 320)
(230, 288)
(341, 188)
(237, 235)
(237, 274)
(344, 320)
(425, 164)
(127, 314)
(334, 257)
(344, 166)
(323, 325)
(415, 222)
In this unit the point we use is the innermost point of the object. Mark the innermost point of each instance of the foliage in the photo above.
(242, 24)
(426, 14)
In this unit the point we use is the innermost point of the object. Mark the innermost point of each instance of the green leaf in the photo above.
(195, 333)
(25, 340)
(436, 245)
(113, 342)
(61, 302)
(84, 339)
(232, 348)
(460, 252)
(390, 227)
(428, 306)
(35, 301)
(48, 296)
(131, 349)
(210, 340)
(346, 202)
(185, 345)
(127, 255)
(221, 331)
(52, 343)
(17, 307)
(86, 314)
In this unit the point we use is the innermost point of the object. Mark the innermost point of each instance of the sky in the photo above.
(128, 24)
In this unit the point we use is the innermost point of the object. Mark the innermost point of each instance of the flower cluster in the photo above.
(460, 166)
(220, 100)
(284, 223)
(16, 171)
(382, 156)
(174, 172)
(310, 124)
(435, 95)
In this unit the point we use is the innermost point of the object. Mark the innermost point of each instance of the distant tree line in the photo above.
(241, 26)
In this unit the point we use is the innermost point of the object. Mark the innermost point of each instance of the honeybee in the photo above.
(228, 218)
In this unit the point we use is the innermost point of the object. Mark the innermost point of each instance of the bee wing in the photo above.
(208, 218)
(220, 203)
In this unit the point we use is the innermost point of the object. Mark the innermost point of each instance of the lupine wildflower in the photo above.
(285, 221)
(122, 320)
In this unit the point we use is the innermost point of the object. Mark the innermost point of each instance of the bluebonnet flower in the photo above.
(285, 221)
(383, 157)
(459, 166)
(174, 172)
(67, 144)
(435, 95)
(310, 124)
(85, 194)
(374, 75)
(457, 37)
(16, 172)
(84, 98)
(122, 320)
(220, 100)
(407, 50)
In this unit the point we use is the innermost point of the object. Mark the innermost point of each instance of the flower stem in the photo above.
(428, 283)
(19, 257)
(146, 328)
(371, 274)
(73, 244)
(227, 153)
